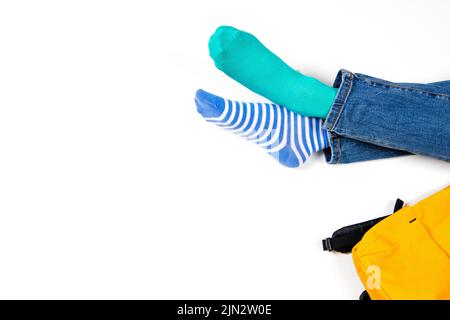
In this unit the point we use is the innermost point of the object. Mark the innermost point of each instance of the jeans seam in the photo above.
(373, 140)
(341, 108)
(368, 138)
(338, 146)
(402, 88)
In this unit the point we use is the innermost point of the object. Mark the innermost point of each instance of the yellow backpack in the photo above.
(405, 255)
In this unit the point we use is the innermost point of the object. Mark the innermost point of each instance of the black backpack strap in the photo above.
(398, 205)
(344, 239)
(364, 296)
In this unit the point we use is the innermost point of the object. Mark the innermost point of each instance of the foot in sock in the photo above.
(244, 58)
(288, 137)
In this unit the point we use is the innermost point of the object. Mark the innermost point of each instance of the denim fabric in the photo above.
(373, 118)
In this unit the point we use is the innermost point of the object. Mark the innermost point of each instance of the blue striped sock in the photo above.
(288, 137)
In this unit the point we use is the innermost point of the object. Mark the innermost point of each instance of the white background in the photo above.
(112, 186)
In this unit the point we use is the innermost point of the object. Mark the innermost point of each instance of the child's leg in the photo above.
(407, 117)
(242, 57)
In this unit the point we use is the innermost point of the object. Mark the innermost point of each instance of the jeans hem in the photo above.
(344, 82)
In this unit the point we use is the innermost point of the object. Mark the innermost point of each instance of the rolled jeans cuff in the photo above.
(345, 148)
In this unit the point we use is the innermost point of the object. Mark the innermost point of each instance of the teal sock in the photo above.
(244, 58)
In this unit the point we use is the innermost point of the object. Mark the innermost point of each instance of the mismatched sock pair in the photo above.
(290, 133)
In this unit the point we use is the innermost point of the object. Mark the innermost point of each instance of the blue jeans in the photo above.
(373, 119)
